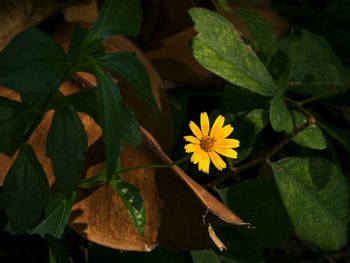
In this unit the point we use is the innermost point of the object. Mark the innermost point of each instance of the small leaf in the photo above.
(129, 67)
(115, 18)
(312, 137)
(315, 194)
(15, 119)
(66, 145)
(280, 116)
(259, 202)
(32, 63)
(133, 201)
(56, 216)
(220, 49)
(259, 118)
(25, 191)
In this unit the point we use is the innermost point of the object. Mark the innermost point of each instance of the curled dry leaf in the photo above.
(17, 15)
(179, 212)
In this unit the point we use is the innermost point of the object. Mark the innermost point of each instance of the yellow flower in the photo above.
(208, 143)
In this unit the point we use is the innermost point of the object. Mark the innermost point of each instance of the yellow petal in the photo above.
(227, 143)
(205, 124)
(224, 132)
(205, 163)
(196, 131)
(226, 152)
(219, 122)
(192, 139)
(217, 161)
(190, 148)
(195, 158)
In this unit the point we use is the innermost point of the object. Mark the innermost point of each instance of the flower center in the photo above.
(207, 143)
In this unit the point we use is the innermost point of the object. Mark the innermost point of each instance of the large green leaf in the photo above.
(220, 49)
(316, 196)
(129, 67)
(115, 18)
(315, 64)
(312, 137)
(118, 123)
(57, 214)
(280, 116)
(66, 145)
(236, 99)
(25, 191)
(85, 101)
(318, 77)
(259, 202)
(264, 35)
(133, 201)
(32, 63)
(15, 119)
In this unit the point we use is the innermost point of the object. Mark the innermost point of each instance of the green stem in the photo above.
(316, 97)
(101, 178)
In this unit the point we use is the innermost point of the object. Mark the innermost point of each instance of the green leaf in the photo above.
(312, 137)
(236, 99)
(317, 77)
(238, 248)
(115, 18)
(315, 194)
(66, 145)
(280, 116)
(223, 4)
(15, 119)
(205, 256)
(264, 35)
(118, 123)
(259, 203)
(315, 63)
(244, 132)
(85, 101)
(58, 250)
(25, 191)
(133, 201)
(219, 48)
(56, 216)
(309, 45)
(259, 118)
(129, 67)
(32, 63)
